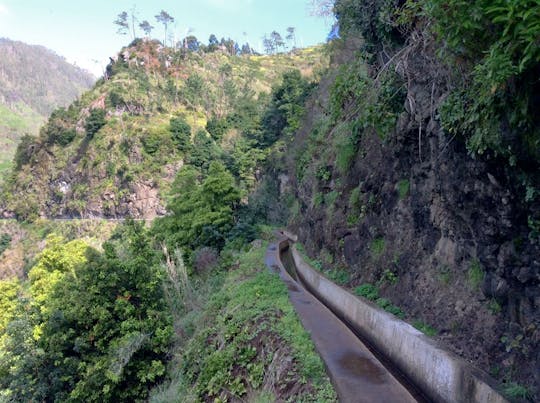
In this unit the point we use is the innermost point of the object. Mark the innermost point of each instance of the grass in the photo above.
(377, 247)
(368, 291)
(494, 307)
(425, 328)
(475, 274)
(403, 188)
(246, 333)
(516, 391)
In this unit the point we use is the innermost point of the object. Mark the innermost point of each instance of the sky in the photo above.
(84, 33)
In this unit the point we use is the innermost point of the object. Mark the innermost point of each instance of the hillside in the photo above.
(123, 165)
(415, 176)
(33, 82)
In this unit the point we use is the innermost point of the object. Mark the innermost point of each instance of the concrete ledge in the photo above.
(440, 374)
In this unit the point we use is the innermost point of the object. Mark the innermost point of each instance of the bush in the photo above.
(476, 273)
(152, 141)
(205, 259)
(180, 133)
(99, 328)
(377, 247)
(94, 122)
(25, 150)
(217, 127)
(368, 291)
(374, 20)
(403, 188)
(5, 241)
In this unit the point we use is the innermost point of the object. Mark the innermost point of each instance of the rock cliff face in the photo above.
(442, 234)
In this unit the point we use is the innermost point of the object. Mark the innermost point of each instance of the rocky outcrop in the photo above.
(443, 234)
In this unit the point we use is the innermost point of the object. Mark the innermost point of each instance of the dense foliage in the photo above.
(34, 82)
(95, 325)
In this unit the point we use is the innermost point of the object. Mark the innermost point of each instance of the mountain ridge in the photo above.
(34, 81)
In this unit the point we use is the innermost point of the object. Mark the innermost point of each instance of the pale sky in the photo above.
(83, 31)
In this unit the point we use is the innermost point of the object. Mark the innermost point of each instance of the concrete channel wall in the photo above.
(440, 374)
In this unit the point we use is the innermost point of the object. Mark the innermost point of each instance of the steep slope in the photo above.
(114, 152)
(33, 82)
(417, 184)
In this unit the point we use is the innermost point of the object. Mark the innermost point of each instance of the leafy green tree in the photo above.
(283, 115)
(94, 122)
(194, 90)
(60, 129)
(9, 290)
(204, 151)
(103, 324)
(202, 212)
(25, 150)
(180, 133)
(192, 43)
(217, 127)
(57, 259)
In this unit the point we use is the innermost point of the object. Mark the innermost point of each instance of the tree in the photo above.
(27, 147)
(146, 27)
(269, 46)
(202, 212)
(277, 40)
(284, 113)
(291, 36)
(166, 19)
(122, 23)
(180, 133)
(204, 151)
(104, 326)
(94, 122)
(191, 43)
(246, 49)
(212, 43)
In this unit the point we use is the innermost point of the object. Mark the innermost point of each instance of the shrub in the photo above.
(205, 259)
(217, 127)
(475, 273)
(516, 391)
(377, 247)
(94, 122)
(152, 141)
(5, 241)
(368, 291)
(25, 150)
(403, 188)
